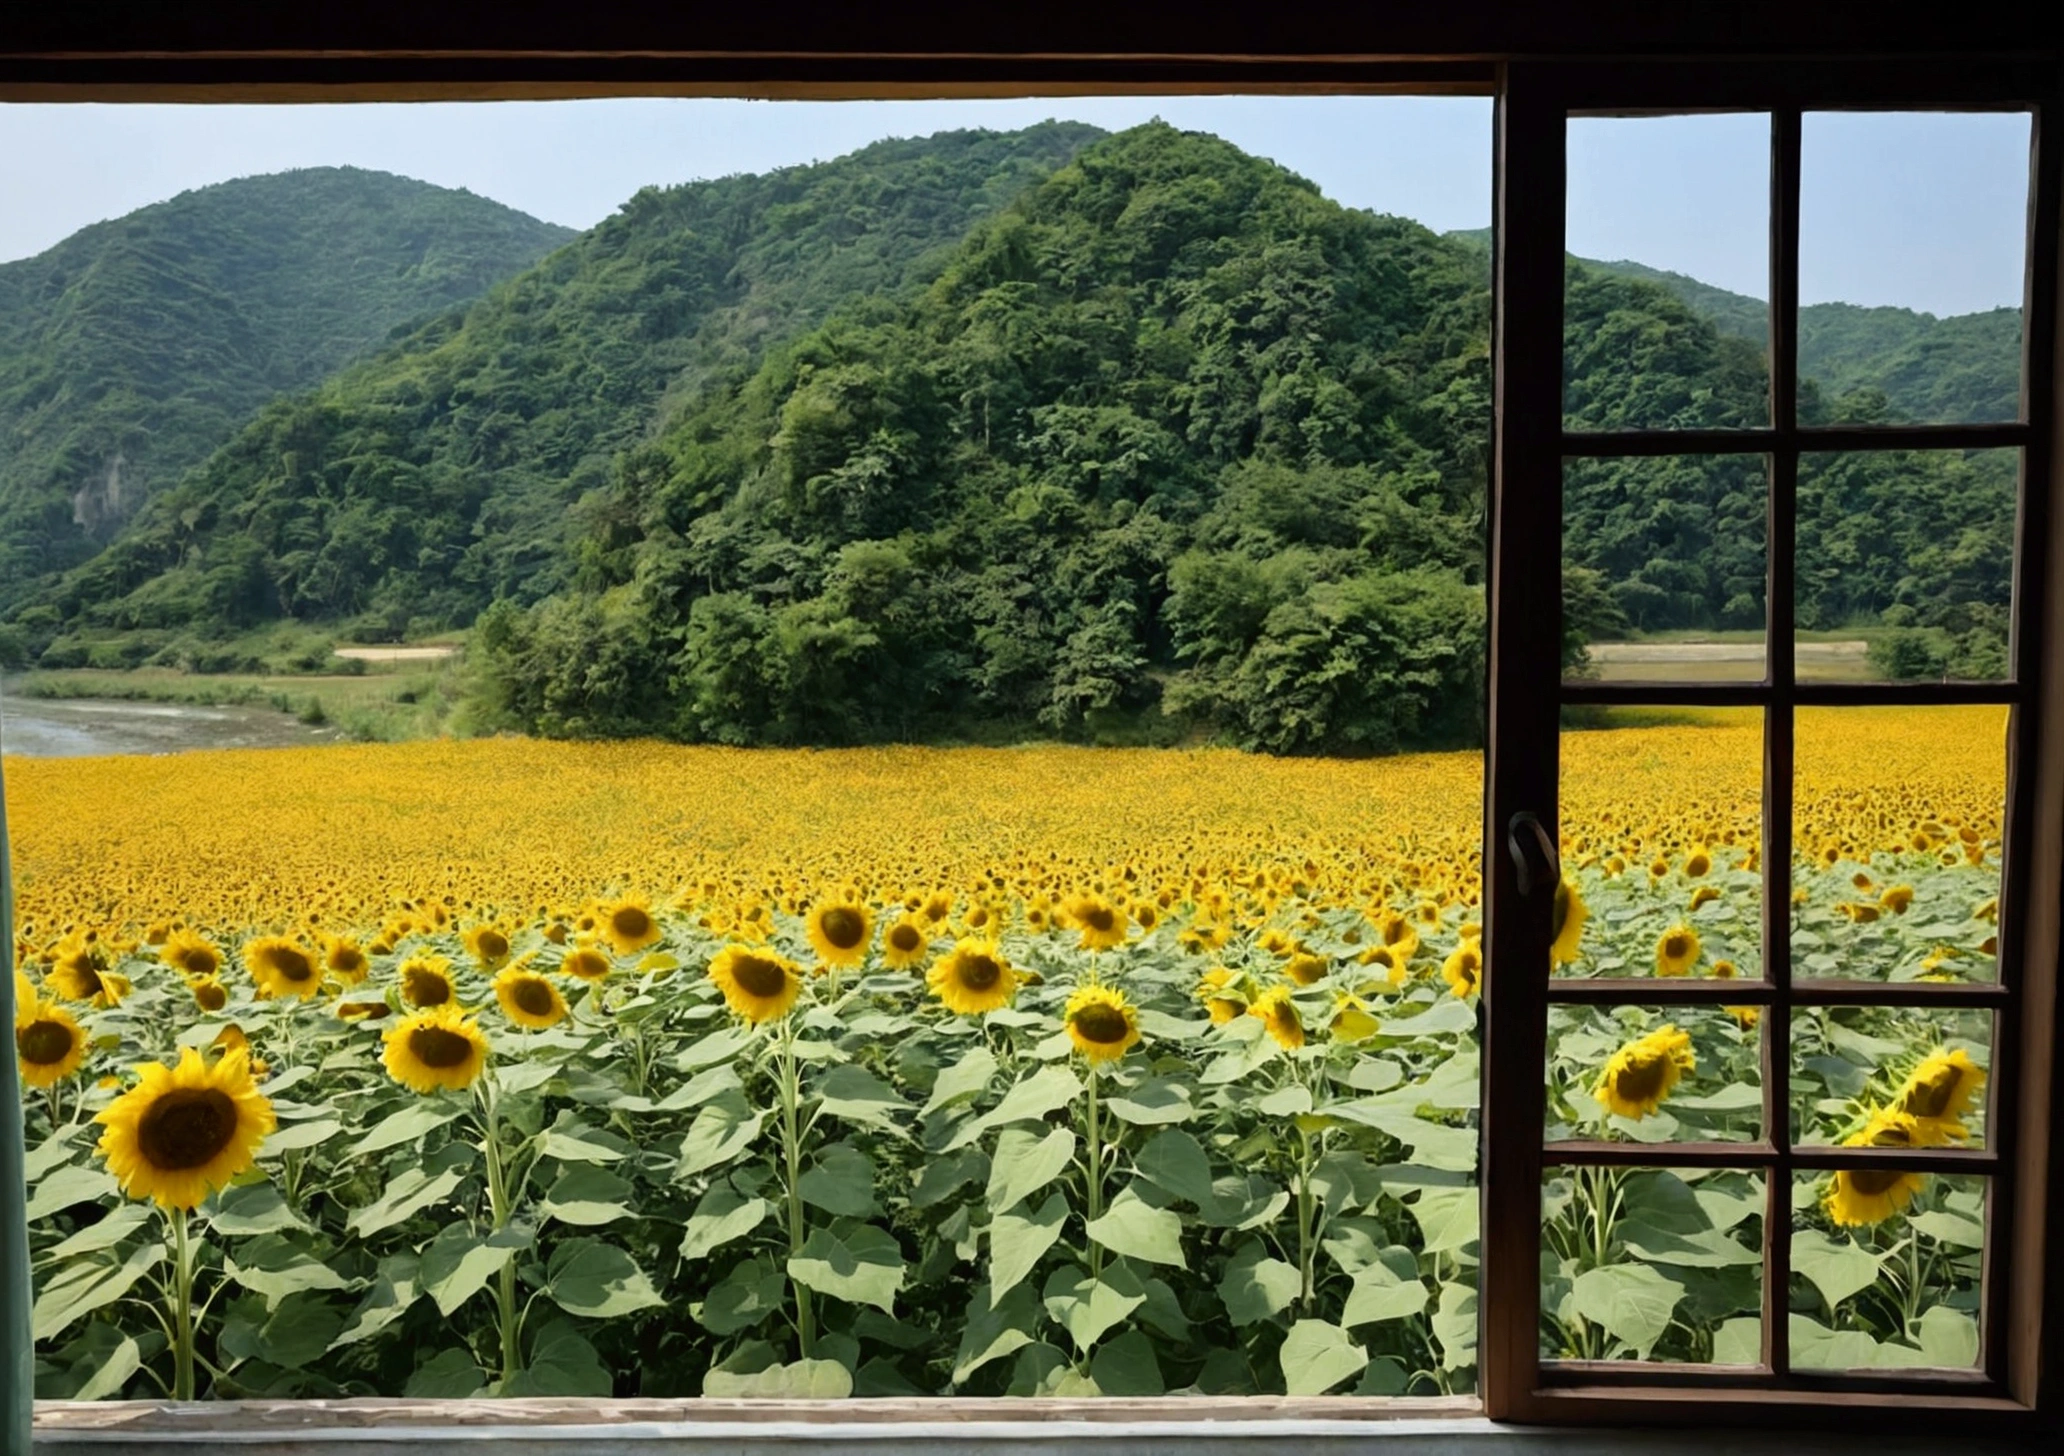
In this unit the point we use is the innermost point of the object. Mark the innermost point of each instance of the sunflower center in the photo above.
(629, 921)
(1100, 919)
(493, 944)
(435, 1046)
(186, 1127)
(905, 938)
(1641, 1080)
(198, 962)
(1929, 1098)
(292, 965)
(1466, 973)
(44, 1043)
(86, 978)
(980, 972)
(842, 927)
(347, 960)
(533, 996)
(758, 976)
(211, 997)
(1104, 1025)
(1872, 1182)
(424, 987)
(1674, 947)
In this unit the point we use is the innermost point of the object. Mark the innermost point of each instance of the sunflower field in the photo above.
(534, 1068)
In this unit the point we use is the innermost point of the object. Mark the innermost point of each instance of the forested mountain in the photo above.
(1041, 432)
(415, 488)
(135, 347)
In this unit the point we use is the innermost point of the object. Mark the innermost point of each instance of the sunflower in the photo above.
(1566, 923)
(190, 954)
(184, 1131)
(1698, 864)
(973, 978)
(437, 1048)
(839, 932)
(904, 943)
(1278, 1013)
(1676, 951)
(586, 962)
(49, 1044)
(1859, 1196)
(1352, 1019)
(1463, 969)
(344, 959)
(1399, 935)
(628, 924)
(1640, 1074)
(937, 908)
(1101, 1023)
(282, 967)
(1102, 925)
(426, 981)
(1897, 899)
(1306, 969)
(757, 984)
(81, 974)
(1388, 962)
(210, 994)
(362, 1010)
(1937, 1095)
(528, 999)
(1704, 895)
(487, 944)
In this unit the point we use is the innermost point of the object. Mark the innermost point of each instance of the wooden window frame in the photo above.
(1526, 695)
(2023, 1381)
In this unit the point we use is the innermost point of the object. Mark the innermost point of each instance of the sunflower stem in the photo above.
(1095, 1192)
(1304, 1217)
(507, 1317)
(792, 1151)
(182, 1314)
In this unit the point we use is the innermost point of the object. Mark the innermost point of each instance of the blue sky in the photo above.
(1922, 211)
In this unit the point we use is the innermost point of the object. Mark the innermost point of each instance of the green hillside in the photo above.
(411, 490)
(134, 348)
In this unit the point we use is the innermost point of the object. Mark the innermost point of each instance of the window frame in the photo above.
(1532, 448)
(1528, 451)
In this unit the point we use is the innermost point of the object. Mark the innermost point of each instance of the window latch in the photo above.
(1534, 856)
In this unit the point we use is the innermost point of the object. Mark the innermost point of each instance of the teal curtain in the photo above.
(17, 1374)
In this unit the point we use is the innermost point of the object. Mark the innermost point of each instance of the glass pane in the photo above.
(1896, 857)
(1664, 566)
(1652, 1264)
(1905, 565)
(1661, 814)
(1654, 1074)
(1851, 1063)
(1665, 312)
(1912, 249)
(1885, 1270)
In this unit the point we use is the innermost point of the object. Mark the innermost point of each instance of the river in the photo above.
(85, 727)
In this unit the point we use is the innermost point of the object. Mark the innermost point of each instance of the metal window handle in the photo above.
(1533, 852)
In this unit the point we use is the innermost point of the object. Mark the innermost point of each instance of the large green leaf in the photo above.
(591, 1278)
(80, 1288)
(571, 1141)
(1087, 1308)
(412, 1191)
(562, 1363)
(405, 1126)
(857, 1095)
(1256, 1287)
(394, 1290)
(1138, 1230)
(110, 1229)
(1316, 1356)
(723, 1214)
(1155, 1102)
(457, 1263)
(1026, 1161)
(860, 1264)
(965, 1079)
(253, 1208)
(749, 1291)
(1447, 1218)
(1631, 1302)
(447, 1375)
(588, 1196)
(722, 1130)
(68, 1186)
(1018, 1240)
(298, 1136)
(1379, 1294)
(1039, 1096)
(798, 1380)
(994, 1328)
(1455, 1326)
(1837, 1267)
(840, 1181)
(1126, 1366)
(1948, 1337)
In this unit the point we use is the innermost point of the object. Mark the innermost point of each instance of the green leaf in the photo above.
(525, 1076)
(561, 1363)
(1949, 1228)
(283, 1272)
(1316, 1356)
(1019, 1240)
(1838, 1267)
(405, 1126)
(1025, 1162)
(965, 1079)
(47, 1154)
(1447, 1218)
(1949, 1337)
(1816, 1347)
(1455, 1326)
(947, 1174)
(572, 1142)
(708, 1083)
(1087, 1308)
(720, 1046)
(114, 1226)
(591, 1278)
(393, 1291)
(1156, 1101)
(840, 1182)
(1176, 1163)
(864, 1265)
(723, 1129)
(799, 1380)
(723, 1214)
(254, 1208)
(81, 1288)
(750, 1291)
(1707, 1249)
(1738, 1342)
(1039, 1096)
(1379, 1294)
(1433, 1144)
(457, 1263)
(69, 1186)
(1631, 1302)
(857, 1095)
(299, 1331)
(1138, 1230)
(1256, 1287)
(447, 1375)
(588, 1197)
(300, 1135)
(1126, 1366)
(412, 1191)
(112, 1372)
(994, 1328)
